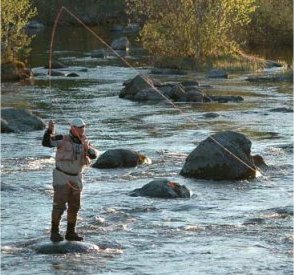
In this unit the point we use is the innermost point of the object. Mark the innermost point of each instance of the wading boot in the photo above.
(71, 235)
(55, 235)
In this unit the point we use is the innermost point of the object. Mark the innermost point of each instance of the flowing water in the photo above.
(226, 227)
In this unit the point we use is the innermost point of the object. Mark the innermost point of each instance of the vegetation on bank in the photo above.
(211, 32)
(178, 33)
(15, 15)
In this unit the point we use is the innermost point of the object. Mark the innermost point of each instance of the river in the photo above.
(226, 227)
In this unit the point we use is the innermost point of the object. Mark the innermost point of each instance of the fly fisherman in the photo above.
(73, 153)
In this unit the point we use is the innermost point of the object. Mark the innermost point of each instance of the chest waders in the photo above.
(67, 189)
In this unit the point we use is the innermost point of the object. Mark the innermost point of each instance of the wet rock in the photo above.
(34, 27)
(216, 73)
(192, 96)
(144, 88)
(65, 247)
(133, 86)
(222, 156)
(56, 73)
(162, 188)
(282, 110)
(72, 75)
(272, 64)
(188, 83)
(132, 27)
(14, 71)
(279, 77)
(254, 221)
(211, 115)
(259, 162)
(117, 158)
(167, 71)
(226, 99)
(117, 28)
(34, 24)
(7, 187)
(149, 94)
(98, 53)
(121, 43)
(19, 120)
(55, 65)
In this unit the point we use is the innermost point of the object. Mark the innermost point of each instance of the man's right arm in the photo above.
(51, 140)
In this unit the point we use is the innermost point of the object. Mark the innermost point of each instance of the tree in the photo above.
(15, 15)
(272, 23)
(191, 28)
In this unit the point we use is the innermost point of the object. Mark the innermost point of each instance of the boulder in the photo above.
(222, 156)
(149, 94)
(117, 158)
(167, 71)
(121, 43)
(19, 120)
(133, 86)
(14, 71)
(162, 188)
(143, 88)
(65, 247)
(55, 65)
(217, 73)
(226, 98)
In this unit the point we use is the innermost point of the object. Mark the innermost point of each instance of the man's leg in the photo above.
(74, 202)
(59, 206)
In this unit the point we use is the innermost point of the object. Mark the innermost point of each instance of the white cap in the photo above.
(77, 122)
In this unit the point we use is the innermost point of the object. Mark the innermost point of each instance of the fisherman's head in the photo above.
(77, 127)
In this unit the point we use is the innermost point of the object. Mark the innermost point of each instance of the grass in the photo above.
(234, 63)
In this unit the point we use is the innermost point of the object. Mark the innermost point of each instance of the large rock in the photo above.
(223, 156)
(14, 71)
(140, 82)
(162, 188)
(121, 43)
(19, 120)
(217, 73)
(65, 247)
(144, 88)
(116, 158)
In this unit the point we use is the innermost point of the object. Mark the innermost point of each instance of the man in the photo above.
(73, 153)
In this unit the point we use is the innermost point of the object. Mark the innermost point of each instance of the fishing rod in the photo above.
(145, 78)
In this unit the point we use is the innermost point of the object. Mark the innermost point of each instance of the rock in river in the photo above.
(222, 156)
(117, 158)
(65, 247)
(162, 188)
(19, 120)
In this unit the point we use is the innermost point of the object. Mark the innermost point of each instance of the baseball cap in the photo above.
(78, 122)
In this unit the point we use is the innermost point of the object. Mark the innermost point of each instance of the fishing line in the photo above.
(146, 78)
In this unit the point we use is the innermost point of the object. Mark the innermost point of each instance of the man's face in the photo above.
(78, 131)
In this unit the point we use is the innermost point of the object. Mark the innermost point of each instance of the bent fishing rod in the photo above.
(145, 78)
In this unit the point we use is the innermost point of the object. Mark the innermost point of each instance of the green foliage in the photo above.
(15, 15)
(272, 23)
(191, 28)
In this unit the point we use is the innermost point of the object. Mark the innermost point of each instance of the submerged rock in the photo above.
(65, 247)
(162, 188)
(116, 158)
(223, 156)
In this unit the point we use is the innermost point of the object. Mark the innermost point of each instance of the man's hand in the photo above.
(51, 126)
